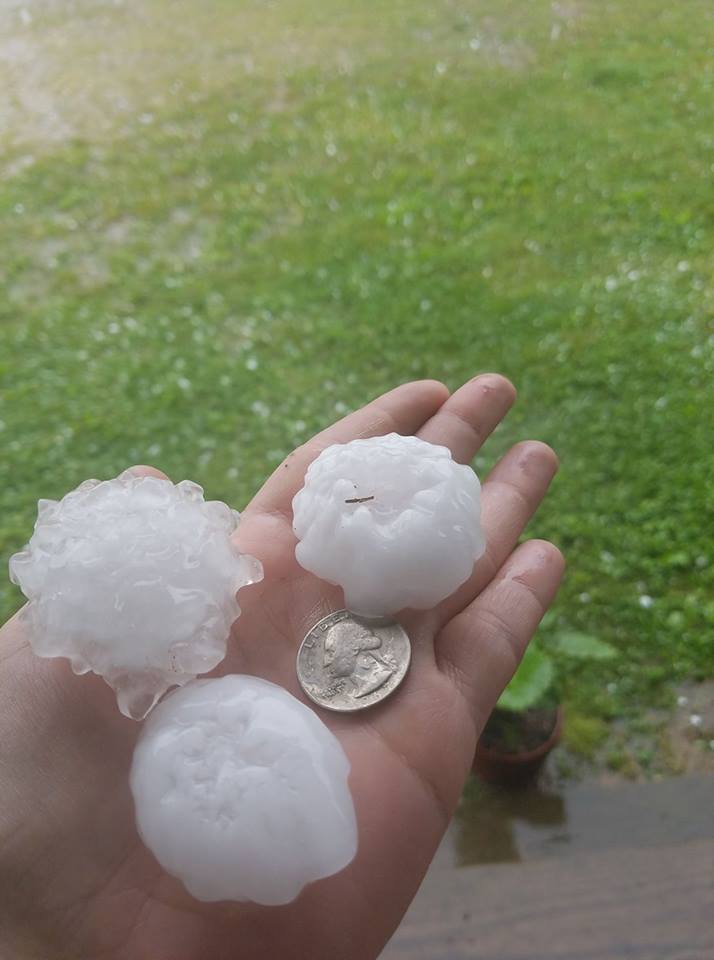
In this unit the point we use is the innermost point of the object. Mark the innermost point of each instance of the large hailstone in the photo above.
(241, 791)
(135, 579)
(392, 520)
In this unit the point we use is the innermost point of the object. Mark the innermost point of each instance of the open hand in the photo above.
(75, 880)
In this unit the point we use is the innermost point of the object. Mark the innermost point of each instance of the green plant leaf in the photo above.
(530, 682)
(582, 646)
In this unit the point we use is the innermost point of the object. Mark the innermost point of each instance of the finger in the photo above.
(402, 410)
(142, 470)
(510, 496)
(512, 493)
(469, 415)
(482, 646)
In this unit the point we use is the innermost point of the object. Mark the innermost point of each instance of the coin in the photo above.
(349, 663)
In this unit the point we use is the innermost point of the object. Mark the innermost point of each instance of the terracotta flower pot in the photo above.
(516, 769)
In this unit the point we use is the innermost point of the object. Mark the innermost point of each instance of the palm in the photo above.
(74, 867)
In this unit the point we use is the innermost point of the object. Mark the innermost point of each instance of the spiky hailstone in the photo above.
(393, 520)
(135, 579)
(241, 791)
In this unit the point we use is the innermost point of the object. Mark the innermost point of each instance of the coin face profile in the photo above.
(348, 663)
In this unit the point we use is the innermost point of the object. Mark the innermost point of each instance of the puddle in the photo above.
(497, 825)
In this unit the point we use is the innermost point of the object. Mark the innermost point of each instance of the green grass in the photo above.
(222, 227)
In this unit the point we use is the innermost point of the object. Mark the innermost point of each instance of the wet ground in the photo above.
(495, 825)
(560, 817)
(585, 871)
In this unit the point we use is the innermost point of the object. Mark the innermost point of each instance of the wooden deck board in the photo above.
(635, 904)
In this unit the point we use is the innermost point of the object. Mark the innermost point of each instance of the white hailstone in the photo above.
(241, 791)
(393, 520)
(134, 579)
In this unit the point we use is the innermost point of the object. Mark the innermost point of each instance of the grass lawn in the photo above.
(223, 225)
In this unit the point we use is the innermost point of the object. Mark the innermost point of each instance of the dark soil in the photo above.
(507, 732)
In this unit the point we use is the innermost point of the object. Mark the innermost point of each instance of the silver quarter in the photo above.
(348, 663)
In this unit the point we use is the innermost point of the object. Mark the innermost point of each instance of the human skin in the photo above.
(75, 880)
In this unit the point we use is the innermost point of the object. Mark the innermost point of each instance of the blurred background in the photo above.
(224, 225)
